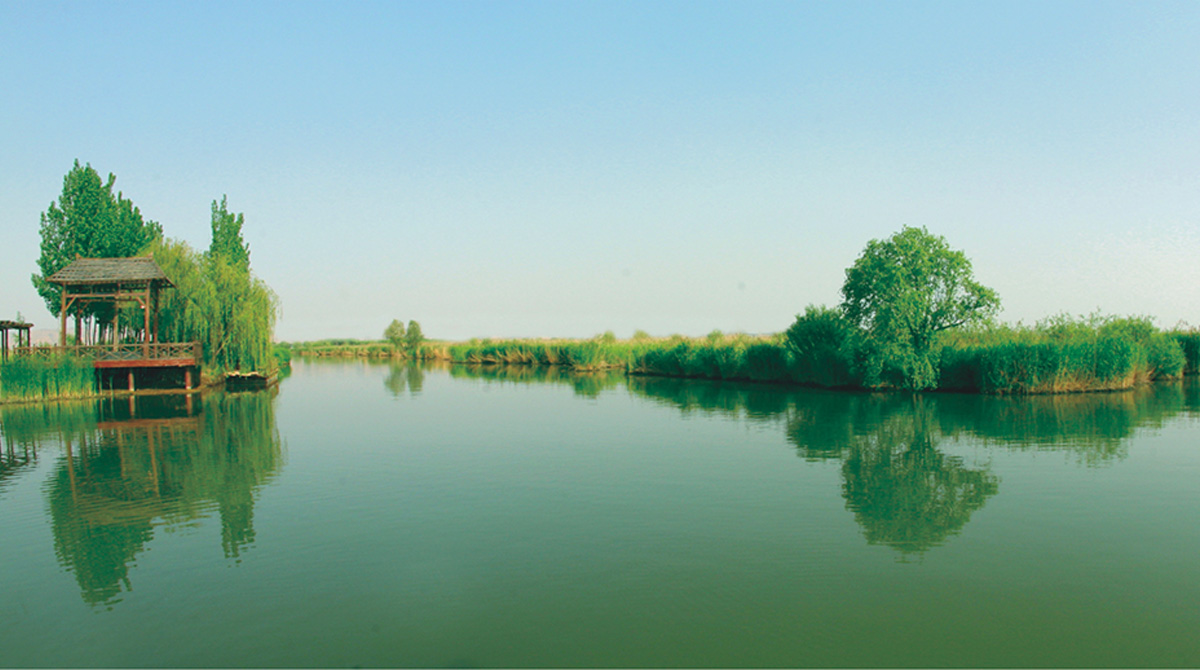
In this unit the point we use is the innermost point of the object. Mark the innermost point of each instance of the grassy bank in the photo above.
(1061, 355)
(599, 353)
(27, 378)
(1057, 355)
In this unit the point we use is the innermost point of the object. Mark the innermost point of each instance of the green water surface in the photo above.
(364, 514)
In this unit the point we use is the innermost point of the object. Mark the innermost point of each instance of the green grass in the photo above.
(1058, 355)
(1189, 342)
(600, 353)
(36, 377)
(737, 357)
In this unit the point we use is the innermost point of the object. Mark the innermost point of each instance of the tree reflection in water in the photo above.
(401, 377)
(133, 464)
(904, 491)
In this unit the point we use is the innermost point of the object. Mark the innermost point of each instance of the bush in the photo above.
(824, 348)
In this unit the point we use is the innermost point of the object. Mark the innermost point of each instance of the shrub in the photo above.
(824, 348)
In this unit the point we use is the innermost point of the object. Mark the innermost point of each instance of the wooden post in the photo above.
(131, 389)
(116, 319)
(154, 303)
(146, 324)
(187, 380)
(62, 313)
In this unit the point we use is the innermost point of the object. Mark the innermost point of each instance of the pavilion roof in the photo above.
(136, 270)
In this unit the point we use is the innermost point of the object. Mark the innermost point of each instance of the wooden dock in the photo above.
(131, 356)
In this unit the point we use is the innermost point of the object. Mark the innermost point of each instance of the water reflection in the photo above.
(132, 465)
(401, 378)
(585, 384)
(904, 491)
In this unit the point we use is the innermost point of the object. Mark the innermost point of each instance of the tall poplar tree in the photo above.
(90, 221)
(227, 243)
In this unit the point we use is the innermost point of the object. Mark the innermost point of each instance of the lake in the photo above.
(366, 514)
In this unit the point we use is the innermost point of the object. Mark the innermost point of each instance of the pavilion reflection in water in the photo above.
(130, 466)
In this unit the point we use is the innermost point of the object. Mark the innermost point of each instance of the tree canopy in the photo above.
(413, 337)
(227, 243)
(903, 291)
(394, 333)
(88, 220)
(217, 299)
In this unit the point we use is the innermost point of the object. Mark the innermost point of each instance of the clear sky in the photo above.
(566, 168)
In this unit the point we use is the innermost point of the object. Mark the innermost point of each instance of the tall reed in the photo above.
(1189, 342)
(1059, 355)
(39, 377)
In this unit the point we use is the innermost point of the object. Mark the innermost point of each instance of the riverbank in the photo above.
(1061, 356)
(31, 379)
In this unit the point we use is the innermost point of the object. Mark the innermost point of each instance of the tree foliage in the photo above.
(90, 221)
(902, 292)
(394, 333)
(227, 243)
(413, 337)
(217, 301)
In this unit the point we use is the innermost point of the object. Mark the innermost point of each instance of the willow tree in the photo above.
(901, 293)
(217, 301)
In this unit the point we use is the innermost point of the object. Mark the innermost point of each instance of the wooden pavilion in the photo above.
(22, 336)
(122, 281)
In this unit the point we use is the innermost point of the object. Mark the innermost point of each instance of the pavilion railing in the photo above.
(119, 352)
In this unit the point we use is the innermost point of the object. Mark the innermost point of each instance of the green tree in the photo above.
(902, 292)
(90, 221)
(217, 300)
(227, 243)
(394, 333)
(413, 337)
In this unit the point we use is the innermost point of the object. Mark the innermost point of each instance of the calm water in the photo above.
(374, 515)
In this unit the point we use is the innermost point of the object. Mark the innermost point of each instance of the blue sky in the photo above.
(566, 168)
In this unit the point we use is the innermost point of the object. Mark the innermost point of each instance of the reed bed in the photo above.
(349, 348)
(25, 378)
(1189, 342)
(737, 357)
(1058, 355)
(582, 355)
